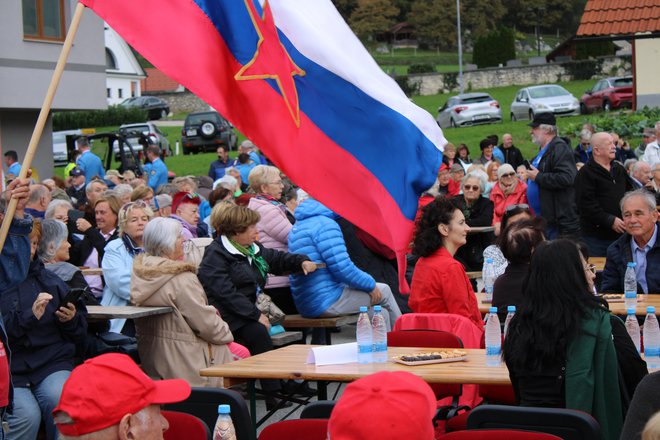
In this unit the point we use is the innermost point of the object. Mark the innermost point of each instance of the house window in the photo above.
(110, 61)
(108, 92)
(43, 19)
(120, 93)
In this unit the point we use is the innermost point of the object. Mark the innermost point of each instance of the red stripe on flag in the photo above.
(186, 46)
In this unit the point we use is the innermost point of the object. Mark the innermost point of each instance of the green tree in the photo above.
(345, 7)
(556, 14)
(371, 17)
(494, 48)
(435, 22)
(481, 16)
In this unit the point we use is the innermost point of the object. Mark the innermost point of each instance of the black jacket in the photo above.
(597, 195)
(508, 288)
(556, 193)
(231, 281)
(619, 255)
(513, 156)
(93, 239)
(479, 214)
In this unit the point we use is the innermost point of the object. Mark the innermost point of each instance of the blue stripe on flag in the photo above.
(383, 140)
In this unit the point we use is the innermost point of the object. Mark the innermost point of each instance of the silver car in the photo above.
(543, 99)
(469, 109)
(149, 129)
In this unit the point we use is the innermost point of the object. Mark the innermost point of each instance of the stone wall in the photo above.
(432, 83)
(182, 102)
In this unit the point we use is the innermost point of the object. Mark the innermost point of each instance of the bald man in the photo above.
(599, 186)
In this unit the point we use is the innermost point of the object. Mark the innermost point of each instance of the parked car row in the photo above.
(156, 108)
(480, 108)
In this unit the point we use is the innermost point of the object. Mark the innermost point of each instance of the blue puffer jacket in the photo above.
(317, 235)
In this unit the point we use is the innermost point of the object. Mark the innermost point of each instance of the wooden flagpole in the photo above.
(43, 116)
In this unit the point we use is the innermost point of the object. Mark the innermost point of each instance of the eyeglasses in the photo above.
(511, 174)
(471, 187)
(591, 268)
(519, 206)
(278, 182)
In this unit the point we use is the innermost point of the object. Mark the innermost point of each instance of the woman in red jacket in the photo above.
(439, 283)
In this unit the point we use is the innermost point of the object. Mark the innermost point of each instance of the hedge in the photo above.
(114, 115)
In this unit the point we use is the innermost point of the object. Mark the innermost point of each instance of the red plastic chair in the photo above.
(301, 429)
(497, 434)
(184, 425)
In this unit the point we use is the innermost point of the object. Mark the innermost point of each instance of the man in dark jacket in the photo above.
(550, 179)
(639, 244)
(599, 186)
(512, 155)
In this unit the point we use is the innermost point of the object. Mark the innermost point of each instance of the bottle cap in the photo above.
(489, 260)
(493, 310)
(632, 264)
(224, 409)
(511, 308)
(650, 309)
(377, 308)
(363, 309)
(630, 311)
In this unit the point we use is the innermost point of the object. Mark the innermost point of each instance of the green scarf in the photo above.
(592, 380)
(259, 261)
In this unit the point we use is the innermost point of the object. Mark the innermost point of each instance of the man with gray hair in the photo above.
(550, 179)
(641, 175)
(599, 186)
(38, 201)
(652, 151)
(639, 244)
(582, 152)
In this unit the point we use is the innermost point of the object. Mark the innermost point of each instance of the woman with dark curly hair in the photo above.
(439, 283)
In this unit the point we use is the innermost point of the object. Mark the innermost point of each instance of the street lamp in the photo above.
(460, 47)
(539, 11)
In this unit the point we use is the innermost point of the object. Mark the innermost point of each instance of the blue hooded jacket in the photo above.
(317, 235)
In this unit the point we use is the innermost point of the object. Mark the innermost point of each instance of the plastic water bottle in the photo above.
(493, 338)
(630, 286)
(511, 310)
(379, 330)
(633, 328)
(489, 279)
(651, 339)
(364, 336)
(224, 427)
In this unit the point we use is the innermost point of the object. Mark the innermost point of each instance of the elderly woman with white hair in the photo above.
(53, 249)
(117, 262)
(508, 191)
(193, 336)
(273, 228)
(478, 211)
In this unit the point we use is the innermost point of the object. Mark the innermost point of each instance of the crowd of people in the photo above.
(215, 247)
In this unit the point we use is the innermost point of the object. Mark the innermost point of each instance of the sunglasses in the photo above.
(511, 174)
(136, 204)
(471, 187)
(519, 206)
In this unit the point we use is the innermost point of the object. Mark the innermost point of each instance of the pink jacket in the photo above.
(501, 201)
(274, 230)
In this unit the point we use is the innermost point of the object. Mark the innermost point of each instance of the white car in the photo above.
(543, 99)
(60, 153)
(149, 129)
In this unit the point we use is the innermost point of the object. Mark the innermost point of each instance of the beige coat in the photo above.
(177, 344)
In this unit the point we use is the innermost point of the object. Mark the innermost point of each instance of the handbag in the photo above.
(266, 306)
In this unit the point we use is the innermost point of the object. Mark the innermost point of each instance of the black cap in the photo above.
(543, 118)
(76, 172)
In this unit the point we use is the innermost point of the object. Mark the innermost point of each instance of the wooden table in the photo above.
(290, 363)
(124, 312)
(618, 308)
(481, 229)
(599, 262)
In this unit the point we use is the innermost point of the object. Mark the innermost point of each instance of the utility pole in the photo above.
(460, 46)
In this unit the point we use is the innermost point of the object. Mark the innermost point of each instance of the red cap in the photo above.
(387, 405)
(443, 167)
(106, 388)
(184, 197)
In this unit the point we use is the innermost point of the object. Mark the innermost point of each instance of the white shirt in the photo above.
(652, 154)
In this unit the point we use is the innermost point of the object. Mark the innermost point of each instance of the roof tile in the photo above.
(619, 17)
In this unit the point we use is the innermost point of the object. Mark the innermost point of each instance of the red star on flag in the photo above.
(271, 60)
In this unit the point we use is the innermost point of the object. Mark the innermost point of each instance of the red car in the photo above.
(608, 94)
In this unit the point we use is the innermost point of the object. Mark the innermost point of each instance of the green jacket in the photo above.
(592, 380)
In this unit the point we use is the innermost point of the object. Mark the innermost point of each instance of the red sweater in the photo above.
(500, 201)
(440, 285)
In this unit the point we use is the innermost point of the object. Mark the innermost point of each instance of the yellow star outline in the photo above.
(271, 60)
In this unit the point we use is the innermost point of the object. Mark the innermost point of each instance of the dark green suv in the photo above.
(206, 131)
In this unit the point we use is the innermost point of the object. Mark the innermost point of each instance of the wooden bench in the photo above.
(286, 338)
(328, 323)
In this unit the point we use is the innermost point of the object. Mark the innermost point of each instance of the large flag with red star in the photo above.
(292, 77)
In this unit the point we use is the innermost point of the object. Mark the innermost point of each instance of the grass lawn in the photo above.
(198, 164)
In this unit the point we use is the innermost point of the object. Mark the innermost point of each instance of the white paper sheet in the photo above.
(333, 354)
